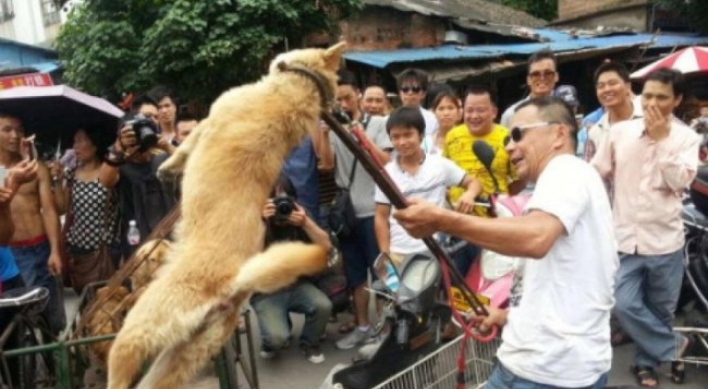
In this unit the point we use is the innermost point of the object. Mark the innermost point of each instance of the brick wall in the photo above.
(378, 28)
(568, 9)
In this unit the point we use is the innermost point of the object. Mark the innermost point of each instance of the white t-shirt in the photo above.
(431, 121)
(558, 330)
(430, 182)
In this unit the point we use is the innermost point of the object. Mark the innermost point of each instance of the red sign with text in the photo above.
(31, 79)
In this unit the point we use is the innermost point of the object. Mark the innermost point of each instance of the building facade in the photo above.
(33, 22)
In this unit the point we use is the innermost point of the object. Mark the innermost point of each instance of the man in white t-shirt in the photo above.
(416, 174)
(412, 85)
(557, 330)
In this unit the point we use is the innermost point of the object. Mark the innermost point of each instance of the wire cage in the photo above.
(439, 369)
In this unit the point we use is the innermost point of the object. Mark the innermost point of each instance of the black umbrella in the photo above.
(54, 113)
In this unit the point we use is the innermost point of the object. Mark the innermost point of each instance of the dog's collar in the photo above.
(326, 94)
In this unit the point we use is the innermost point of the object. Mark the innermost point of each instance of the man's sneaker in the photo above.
(312, 353)
(268, 354)
(354, 339)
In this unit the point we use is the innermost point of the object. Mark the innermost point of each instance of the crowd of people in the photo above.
(592, 237)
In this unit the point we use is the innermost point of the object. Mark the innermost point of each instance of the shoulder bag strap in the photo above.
(364, 124)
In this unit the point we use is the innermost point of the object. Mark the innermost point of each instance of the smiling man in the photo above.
(614, 92)
(650, 162)
(479, 112)
(557, 330)
(541, 79)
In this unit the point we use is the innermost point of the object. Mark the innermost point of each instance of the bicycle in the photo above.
(25, 332)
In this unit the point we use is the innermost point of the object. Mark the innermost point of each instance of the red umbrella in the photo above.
(689, 60)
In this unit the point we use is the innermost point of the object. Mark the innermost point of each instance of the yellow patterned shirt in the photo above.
(458, 148)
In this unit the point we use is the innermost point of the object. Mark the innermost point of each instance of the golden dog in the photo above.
(230, 162)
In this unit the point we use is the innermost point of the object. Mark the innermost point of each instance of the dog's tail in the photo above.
(279, 266)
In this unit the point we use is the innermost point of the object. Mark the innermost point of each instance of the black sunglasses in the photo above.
(543, 74)
(414, 89)
(517, 133)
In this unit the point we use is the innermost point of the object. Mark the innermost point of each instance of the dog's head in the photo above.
(323, 61)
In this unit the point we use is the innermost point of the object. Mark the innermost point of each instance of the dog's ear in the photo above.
(333, 56)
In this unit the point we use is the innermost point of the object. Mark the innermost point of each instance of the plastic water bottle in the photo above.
(582, 140)
(391, 280)
(133, 233)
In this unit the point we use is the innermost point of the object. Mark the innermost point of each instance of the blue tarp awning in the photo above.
(382, 59)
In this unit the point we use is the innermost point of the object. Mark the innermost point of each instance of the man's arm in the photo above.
(533, 234)
(602, 161)
(382, 227)
(50, 217)
(300, 218)
(466, 201)
(326, 152)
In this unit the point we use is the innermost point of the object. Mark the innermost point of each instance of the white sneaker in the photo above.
(354, 339)
(267, 354)
(313, 354)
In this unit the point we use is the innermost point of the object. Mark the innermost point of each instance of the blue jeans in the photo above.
(359, 251)
(32, 263)
(272, 312)
(502, 378)
(648, 289)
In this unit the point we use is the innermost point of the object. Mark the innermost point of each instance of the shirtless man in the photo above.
(21, 173)
(35, 243)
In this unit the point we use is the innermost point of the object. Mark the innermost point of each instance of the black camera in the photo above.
(145, 132)
(284, 206)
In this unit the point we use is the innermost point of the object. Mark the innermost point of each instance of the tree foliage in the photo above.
(694, 11)
(543, 9)
(198, 47)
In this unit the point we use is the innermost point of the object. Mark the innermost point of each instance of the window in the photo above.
(50, 13)
(7, 11)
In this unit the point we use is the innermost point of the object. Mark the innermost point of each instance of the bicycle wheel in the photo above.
(44, 361)
(26, 362)
(229, 357)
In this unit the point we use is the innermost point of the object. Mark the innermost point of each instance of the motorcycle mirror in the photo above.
(386, 271)
(485, 154)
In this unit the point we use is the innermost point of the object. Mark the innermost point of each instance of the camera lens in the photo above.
(148, 137)
(284, 209)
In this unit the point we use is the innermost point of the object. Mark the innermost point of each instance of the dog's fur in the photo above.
(230, 162)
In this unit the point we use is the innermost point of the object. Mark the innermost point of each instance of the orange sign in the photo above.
(31, 79)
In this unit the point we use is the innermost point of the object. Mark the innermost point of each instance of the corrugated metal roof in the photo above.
(382, 59)
(482, 10)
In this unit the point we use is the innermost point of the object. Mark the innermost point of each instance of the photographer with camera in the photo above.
(131, 165)
(286, 220)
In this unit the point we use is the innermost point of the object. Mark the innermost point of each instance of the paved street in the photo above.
(292, 371)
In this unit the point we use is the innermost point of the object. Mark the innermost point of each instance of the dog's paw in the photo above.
(171, 169)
